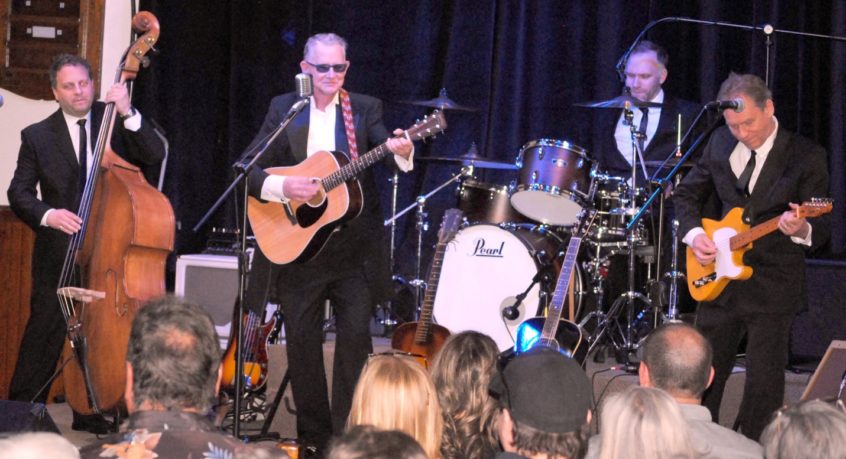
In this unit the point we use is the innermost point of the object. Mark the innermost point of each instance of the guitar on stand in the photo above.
(734, 238)
(552, 331)
(254, 350)
(423, 339)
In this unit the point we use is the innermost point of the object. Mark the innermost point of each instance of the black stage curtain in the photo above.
(522, 64)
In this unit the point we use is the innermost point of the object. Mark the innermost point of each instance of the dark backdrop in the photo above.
(521, 63)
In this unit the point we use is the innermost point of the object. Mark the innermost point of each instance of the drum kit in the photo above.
(502, 266)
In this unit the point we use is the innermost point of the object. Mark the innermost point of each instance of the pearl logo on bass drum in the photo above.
(481, 249)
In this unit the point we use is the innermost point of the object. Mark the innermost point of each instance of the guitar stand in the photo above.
(265, 434)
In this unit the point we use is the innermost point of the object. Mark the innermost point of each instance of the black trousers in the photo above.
(351, 300)
(41, 347)
(767, 349)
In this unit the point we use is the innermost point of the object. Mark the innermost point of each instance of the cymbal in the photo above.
(618, 102)
(442, 102)
(670, 164)
(472, 160)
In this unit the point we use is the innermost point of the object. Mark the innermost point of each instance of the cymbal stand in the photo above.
(385, 311)
(421, 226)
(674, 275)
(630, 297)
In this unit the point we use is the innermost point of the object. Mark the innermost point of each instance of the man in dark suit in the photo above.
(646, 71)
(50, 159)
(352, 269)
(760, 166)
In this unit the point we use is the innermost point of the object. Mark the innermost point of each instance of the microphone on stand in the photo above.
(304, 91)
(734, 104)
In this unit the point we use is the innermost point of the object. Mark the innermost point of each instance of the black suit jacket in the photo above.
(360, 243)
(662, 144)
(47, 159)
(796, 170)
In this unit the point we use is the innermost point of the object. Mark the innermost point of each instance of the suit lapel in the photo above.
(298, 134)
(63, 142)
(773, 168)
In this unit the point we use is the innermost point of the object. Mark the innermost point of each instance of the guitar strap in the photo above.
(349, 125)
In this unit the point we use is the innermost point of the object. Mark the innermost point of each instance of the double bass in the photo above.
(116, 261)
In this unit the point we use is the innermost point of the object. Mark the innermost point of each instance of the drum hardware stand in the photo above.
(386, 318)
(421, 226)
(674, 275)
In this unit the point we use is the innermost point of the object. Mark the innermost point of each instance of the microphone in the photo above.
(735, 104)
(304, 85)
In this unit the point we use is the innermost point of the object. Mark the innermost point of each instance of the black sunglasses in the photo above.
(324, 68)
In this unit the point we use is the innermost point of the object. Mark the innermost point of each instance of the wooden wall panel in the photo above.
(16, 241)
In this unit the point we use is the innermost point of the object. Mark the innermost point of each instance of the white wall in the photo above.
(19, 112)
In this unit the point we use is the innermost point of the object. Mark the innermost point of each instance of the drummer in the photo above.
(646, 72)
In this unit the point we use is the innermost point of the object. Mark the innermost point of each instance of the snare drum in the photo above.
(554, 181)
(484, 269)
(487, 203)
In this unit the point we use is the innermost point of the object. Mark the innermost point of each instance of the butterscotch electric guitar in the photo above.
(733, 238)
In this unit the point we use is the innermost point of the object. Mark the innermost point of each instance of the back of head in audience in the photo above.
(812, 429)
(546, 400)
(37, 445)
(368, 442)
(643, 422)
(173, 357)
(461, 372)
(395, 392)
(677, 359)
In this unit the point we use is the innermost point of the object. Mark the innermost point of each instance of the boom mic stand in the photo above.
(244, 169)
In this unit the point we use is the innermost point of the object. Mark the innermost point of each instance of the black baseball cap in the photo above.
(545, 390)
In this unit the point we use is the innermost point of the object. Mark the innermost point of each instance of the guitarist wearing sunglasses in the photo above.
(351, 270)
(758, 167)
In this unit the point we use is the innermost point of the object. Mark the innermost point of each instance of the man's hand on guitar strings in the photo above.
(793, 225)
(704, 249)
(301, 188)
(399, 145)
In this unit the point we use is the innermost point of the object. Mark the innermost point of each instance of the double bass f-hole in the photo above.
(116, 261)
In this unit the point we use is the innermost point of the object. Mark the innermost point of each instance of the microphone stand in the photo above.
(767, 29)
(244, 169)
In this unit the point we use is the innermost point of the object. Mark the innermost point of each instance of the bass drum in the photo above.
(484, 269)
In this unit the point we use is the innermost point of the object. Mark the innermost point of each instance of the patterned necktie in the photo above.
(743, 181)
(83, 155)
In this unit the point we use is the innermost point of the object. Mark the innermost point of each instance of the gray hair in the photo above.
(175, 355)
(679, 360)
(644, 422)
(748, 85)
(63, 60)
(326, 39)
(812, 429)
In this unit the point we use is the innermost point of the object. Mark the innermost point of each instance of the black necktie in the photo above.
(83, 155)
(644, 121)
(743, 181)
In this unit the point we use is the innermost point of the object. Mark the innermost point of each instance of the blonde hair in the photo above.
(396, 393)
(461, 373)
(643, 422)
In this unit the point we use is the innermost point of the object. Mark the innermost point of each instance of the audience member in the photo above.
(642, 422)
(677, 360)
(809, 430)
(545, 400)
(368, 442)
(461, 372)
(172, 377)
(38, 445)
(395, 392)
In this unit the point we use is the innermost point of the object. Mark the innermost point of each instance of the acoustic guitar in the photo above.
(297, 231)
(423, 339)
(552, 331)
(734, 238)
